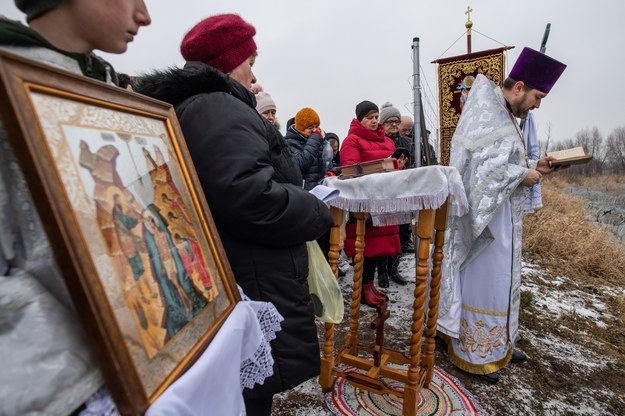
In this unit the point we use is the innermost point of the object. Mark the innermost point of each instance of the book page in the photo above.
(568, 153)
(325, 193)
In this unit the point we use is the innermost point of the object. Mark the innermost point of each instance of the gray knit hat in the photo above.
(387, 111)
(35, 8)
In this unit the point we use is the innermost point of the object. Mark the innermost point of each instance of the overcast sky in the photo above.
(331, 54)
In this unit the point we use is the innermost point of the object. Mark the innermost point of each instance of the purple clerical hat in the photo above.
(537, 70)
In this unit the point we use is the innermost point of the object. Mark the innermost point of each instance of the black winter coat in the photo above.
(307, 153)
(406, 143)
(253, 188)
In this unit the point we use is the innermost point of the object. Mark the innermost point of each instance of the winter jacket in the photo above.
(363, 145)
(406, 143)
(253, 187)
(307, 152)
(431, 152)
(48, 366)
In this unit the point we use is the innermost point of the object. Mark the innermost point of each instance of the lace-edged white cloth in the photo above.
(260, 365)
(207, 385)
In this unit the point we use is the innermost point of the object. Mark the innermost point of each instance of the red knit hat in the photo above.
(223, 41)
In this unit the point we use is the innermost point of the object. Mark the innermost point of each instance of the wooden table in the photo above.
(372, 363)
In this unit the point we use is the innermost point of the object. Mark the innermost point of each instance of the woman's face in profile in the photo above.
(243, 73)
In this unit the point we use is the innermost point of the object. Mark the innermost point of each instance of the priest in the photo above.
(480, 289)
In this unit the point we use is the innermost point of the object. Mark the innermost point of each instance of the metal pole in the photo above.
(417, 103)
(543, 44)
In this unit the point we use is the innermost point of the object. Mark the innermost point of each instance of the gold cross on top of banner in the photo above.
(468, 25)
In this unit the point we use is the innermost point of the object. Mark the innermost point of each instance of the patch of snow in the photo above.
(573, 303)
(582, 407)
(583, 359)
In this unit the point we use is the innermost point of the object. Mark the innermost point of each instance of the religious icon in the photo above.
(126, 218)
(465, 87)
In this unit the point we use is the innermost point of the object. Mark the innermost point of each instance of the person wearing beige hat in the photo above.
(266, 107)
(253, 187)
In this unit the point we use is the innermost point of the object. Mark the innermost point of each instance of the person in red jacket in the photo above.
(366, 141)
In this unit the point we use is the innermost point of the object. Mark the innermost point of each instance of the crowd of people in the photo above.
(256, 183)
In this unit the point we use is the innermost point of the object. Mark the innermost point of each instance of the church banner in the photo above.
(455, 78)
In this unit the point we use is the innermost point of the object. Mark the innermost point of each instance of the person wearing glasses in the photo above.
(391, 119)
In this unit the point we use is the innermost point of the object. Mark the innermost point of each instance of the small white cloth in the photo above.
(534, 193)
(209, 387)
(396, 197)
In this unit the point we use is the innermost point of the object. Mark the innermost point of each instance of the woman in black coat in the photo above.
(253, 187)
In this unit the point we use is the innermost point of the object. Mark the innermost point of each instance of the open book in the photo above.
(573, 156)
(364, 168)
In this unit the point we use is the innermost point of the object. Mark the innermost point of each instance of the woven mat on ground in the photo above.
(444, 396)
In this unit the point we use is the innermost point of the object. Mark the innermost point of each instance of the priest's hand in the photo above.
(543, 165)
(532, 178)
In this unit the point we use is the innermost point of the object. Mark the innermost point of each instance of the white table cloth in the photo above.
(396, 197)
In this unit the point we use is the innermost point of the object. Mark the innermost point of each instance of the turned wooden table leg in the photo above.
(424, 232)
(352, 335)
(327, 358)
(440, 224)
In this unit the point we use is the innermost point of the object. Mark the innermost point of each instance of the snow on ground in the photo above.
(518, 392)
(565, 302)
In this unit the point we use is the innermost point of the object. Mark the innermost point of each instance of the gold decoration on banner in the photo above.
(455, 76)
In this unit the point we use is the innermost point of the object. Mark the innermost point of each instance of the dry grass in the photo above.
(560, 238)
(598, 181)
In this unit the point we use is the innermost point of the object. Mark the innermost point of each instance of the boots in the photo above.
(368, 297)
(393, 264)
(372, 264)
(382, 263)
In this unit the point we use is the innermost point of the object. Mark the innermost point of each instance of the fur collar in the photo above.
(174, 85)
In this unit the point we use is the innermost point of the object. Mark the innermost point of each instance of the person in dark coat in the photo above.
(253, 187)
(390, 118)
(306, 143)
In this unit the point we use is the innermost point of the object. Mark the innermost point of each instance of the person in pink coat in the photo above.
(366, 141)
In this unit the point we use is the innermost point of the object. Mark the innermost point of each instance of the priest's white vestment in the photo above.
(480, 288)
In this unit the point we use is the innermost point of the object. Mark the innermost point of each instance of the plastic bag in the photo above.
(325, 291)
